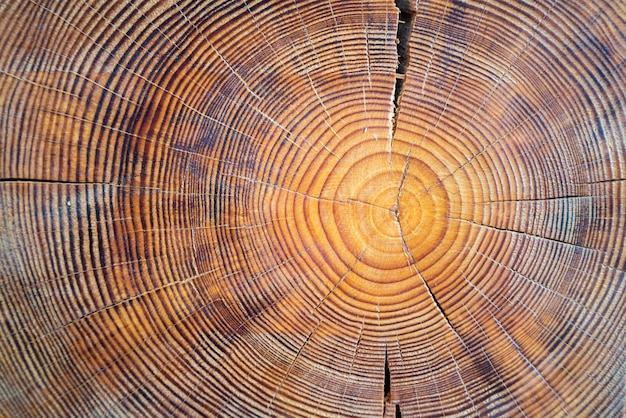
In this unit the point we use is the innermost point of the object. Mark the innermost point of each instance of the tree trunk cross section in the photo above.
(305, 208)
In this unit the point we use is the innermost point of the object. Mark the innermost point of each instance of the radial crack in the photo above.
(412, 262)
(387, 384)
(49, 181)
(330, 292)
(398, 413)
(406, 19)
(387, 379)
(284, 378)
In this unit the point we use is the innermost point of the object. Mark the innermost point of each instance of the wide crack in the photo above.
(387, 389)
(386, 385)
(406, 20)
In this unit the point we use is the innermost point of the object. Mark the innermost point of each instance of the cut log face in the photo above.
(312, 208)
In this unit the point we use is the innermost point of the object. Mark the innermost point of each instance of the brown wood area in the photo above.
(310, 208)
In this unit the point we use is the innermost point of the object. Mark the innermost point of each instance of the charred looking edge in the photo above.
(406, 19)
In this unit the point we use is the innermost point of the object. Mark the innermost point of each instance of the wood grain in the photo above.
(312, 208)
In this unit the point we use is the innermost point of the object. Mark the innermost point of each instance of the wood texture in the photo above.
(312, 208)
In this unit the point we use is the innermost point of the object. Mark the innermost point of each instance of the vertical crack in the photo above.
(406, 19)
(398, 413)
(387, 379)
(387, 389)
(387, 385)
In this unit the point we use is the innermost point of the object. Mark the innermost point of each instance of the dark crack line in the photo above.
(387, 389)
(406, 19)
(387, 384)
(387, 378)
(530, 235)
(540, 199)
(601, 182)
(48, 181)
